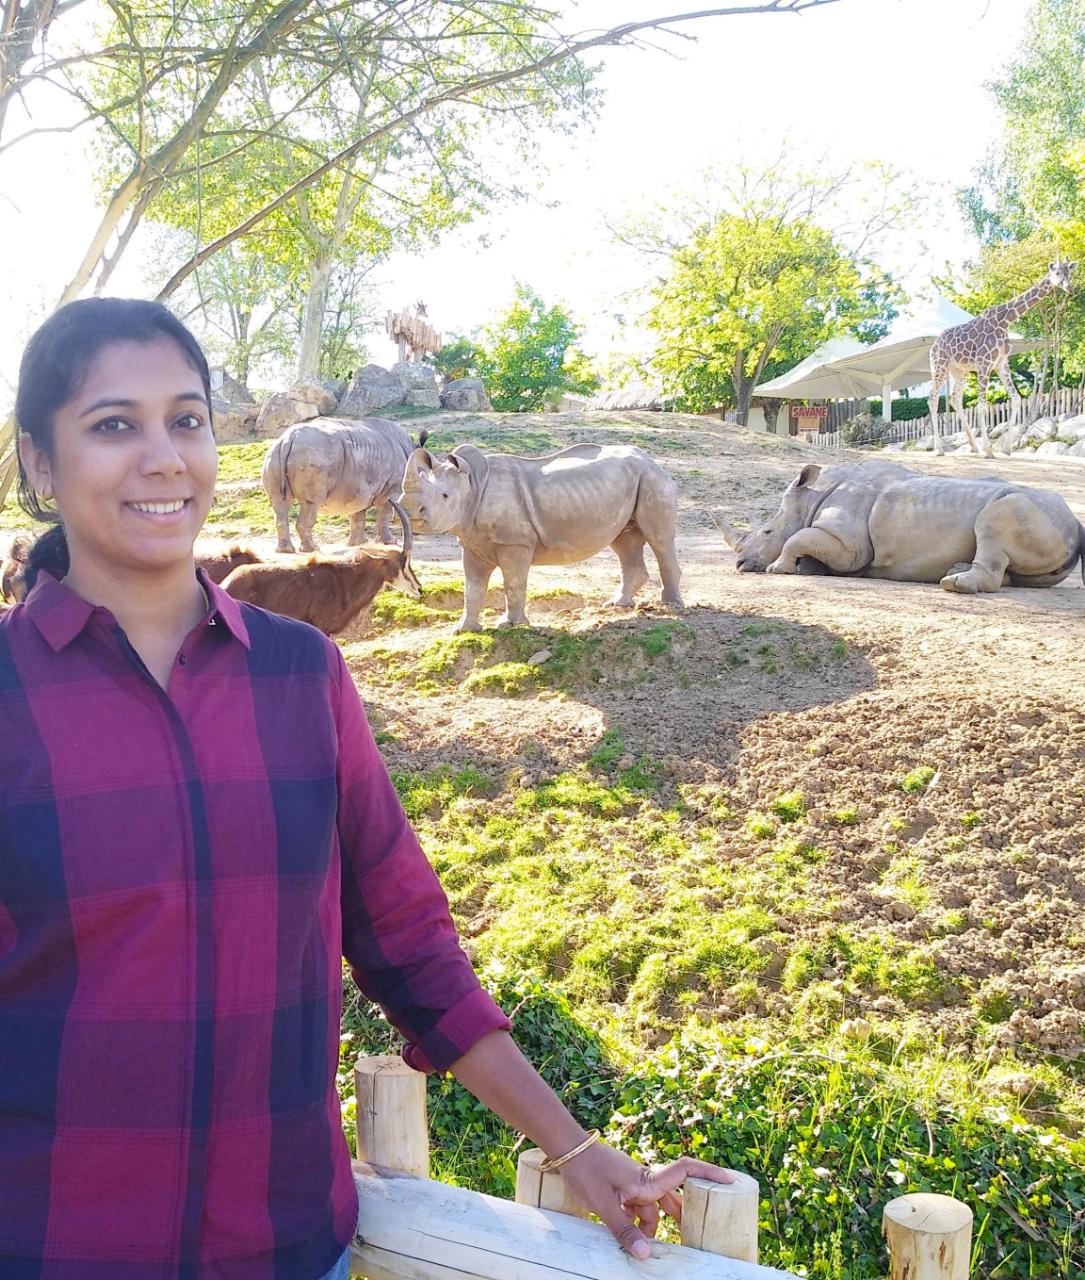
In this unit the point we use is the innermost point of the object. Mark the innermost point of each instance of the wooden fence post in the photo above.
(721, 1217)
(929, 1237)
(544, 1190)
(391, 1115)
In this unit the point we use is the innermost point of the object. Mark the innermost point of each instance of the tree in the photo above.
(751, 289)
(528, 358)
(1033, 179)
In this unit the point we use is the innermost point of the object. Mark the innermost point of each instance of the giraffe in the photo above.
(982, 345)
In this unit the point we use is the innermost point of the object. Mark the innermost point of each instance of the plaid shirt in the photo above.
(179, 876)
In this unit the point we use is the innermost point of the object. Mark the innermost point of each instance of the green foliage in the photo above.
(528, 360)
(790, 807)
(831, 1137)
(458, 358)
(469, 1145)
(917, 780)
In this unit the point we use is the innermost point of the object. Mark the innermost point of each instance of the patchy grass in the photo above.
(917, 781)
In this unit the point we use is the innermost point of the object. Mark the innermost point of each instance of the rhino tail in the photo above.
(284, 474)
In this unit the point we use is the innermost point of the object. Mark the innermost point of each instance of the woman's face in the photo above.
(133, 461)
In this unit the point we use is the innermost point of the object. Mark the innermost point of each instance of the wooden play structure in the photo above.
(412, 333)
(410, 1228)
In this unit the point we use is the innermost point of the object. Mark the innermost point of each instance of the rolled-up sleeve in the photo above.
(398, 935)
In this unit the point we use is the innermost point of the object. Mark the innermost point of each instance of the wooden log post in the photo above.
(391, 1115)
(929, 1237)
(544, 1190)
(721, 1217)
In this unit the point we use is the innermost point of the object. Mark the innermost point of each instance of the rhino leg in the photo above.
(654, 515)
(307, 512)
(384, 520)
(628, 546)
(820, 545)
(476, 579)
(281, 507)
(1010, 532)
(514, 563)
(357, 528)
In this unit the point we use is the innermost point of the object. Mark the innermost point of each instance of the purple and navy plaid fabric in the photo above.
(179, 876)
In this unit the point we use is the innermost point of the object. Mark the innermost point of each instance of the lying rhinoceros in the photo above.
(346, 466)
(511, 513)
(881, 521)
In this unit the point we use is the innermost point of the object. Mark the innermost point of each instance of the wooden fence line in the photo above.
(410, 1228)
(1066, 400)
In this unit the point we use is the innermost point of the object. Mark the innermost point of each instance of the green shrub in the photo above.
(469, 1145)
(832, 1138)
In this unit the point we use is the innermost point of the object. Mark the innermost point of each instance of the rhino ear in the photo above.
(807, 475)
(421, 460)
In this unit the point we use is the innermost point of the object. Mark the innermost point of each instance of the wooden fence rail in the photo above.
(410, 1228)
(1065, 400)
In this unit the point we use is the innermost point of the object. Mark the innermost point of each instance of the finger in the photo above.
(648, 1218)
(671, 1176)
(627, 1233)
(671, 1204)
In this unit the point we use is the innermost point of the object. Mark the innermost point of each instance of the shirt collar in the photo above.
(61, 615)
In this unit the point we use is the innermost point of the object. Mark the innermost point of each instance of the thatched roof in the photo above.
(634, 396)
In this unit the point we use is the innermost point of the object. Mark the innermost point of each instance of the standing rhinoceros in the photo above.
(347, 467)
(511, 513)
(881, 521)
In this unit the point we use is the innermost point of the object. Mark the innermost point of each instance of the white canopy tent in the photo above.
(844, 368)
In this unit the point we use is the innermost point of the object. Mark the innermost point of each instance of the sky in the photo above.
(900, 81)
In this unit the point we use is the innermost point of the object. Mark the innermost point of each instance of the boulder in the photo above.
(280, 411)
(371, 388)
(1072, 428)
(335, 387)
(466, 395)
(415, 376)
(424, 398)
(309, 391)
(235, 392)
(1042, 429)
(232, 422)
(1077, 450)
(1051, 448)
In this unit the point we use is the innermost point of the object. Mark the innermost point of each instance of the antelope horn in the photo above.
(407, 536)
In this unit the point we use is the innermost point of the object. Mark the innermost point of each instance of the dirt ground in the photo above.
(837, 688)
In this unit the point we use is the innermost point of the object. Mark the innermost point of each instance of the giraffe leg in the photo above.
(958, 405)
(1005, 376)
(982, 378)
(938, 376)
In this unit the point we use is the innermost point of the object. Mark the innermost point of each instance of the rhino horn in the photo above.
(408, 537)
(731, 535)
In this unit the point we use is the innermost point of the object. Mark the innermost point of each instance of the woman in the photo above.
(196, 826)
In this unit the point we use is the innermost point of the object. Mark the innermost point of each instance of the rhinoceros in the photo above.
(882, 521)
(510, 513)
(347, 467)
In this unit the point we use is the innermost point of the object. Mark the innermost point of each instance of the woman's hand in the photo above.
(627, 1196)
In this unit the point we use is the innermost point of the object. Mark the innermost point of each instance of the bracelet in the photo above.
(545, 1166)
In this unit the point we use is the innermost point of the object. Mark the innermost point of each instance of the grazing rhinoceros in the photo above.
(511, 513)
(882, 521)
(347, 467)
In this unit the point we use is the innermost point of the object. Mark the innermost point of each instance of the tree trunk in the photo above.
(316, 302)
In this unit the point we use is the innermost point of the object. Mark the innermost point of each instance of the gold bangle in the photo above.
(545, 1166)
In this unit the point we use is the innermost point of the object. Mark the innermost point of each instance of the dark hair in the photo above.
(53, 367)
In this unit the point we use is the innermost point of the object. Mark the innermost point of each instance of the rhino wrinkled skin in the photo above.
(879, 520)
(510, 513)
(347, 467)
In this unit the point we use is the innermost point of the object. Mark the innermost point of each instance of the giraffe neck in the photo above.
(1010, 311)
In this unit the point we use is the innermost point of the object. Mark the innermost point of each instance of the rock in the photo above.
(424, 398)
(335, 387)
(855, 1029)
(1073, 428)
(232, 422)
(466, 395)
(537, 659)
(280, 411)
(309, 391)
(1051, 448)
(371, 388)
(1077, 450)
(414, 376)
(1041, 429)
(235, 392)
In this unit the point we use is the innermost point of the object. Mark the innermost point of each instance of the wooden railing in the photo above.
(1065, 400)
(410, 1228)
